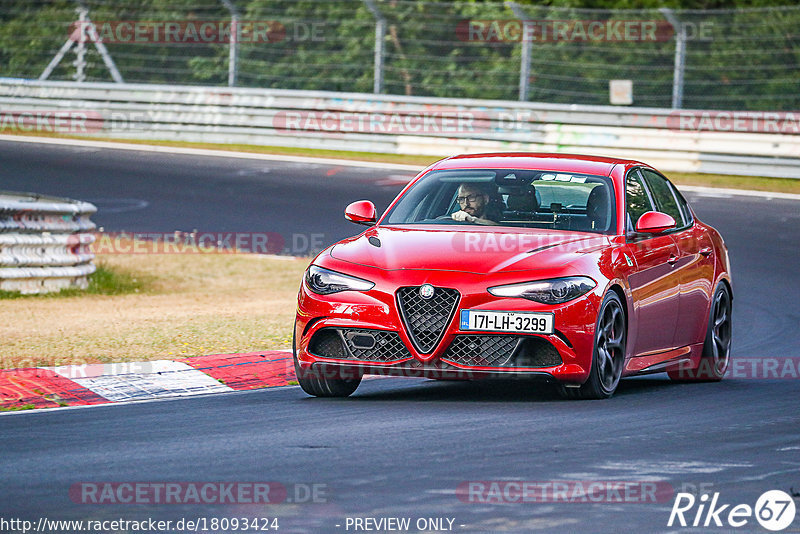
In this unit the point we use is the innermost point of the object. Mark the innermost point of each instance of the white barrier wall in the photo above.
(759, 144)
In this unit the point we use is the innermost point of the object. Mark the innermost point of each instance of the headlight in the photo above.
(325, 282)
(554, 291)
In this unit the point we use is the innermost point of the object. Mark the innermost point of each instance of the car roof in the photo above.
(597, 165)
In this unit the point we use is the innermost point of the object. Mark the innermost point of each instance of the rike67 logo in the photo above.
(774, 510)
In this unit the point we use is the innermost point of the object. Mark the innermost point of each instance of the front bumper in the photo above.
(350, 370)
(564, 356)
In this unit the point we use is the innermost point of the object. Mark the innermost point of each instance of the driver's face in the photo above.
(472, 201)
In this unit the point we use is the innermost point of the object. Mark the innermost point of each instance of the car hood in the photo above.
(475, 250)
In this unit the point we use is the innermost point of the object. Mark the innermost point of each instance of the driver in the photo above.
(478, 204)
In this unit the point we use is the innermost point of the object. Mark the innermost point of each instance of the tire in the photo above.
(716, 356)
(608, 355)
(317, 385)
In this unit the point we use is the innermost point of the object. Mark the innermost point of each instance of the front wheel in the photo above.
(716, 355)
(316, 384)
(608, 355)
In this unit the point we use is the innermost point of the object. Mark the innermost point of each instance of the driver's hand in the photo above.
(462, 216)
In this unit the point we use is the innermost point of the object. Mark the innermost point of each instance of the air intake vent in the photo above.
(486, 351)
(358, 344)
(426, 318)
(475, 350)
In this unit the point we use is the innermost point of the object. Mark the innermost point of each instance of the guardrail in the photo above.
(44, 243)
(768, 146)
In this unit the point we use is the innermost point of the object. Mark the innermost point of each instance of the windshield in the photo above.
(509, 198)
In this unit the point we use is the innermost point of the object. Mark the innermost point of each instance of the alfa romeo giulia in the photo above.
(576, 270)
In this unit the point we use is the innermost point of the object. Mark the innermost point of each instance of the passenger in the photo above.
(480, 204)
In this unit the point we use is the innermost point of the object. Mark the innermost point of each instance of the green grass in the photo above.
(755, 183)
(17, 408)
(105, 280)
(113, 281)
(186, 305)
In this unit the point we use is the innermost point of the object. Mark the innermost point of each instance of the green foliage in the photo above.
(17, 408)
(749, 57)
(108, 281)
(104, 281)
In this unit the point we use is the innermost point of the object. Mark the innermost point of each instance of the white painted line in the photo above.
(160, 378)
(208, 152)
(141, 401)
(709, 191)
(258, 391)
(170, 380)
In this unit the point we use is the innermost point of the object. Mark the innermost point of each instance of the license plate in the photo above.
(507, 321)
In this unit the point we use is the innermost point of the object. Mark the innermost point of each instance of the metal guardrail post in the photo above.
(525, 59)
(380, 38)
(680, 57)
(233, 45)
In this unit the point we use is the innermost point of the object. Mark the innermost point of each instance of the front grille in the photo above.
(484, 351)
(501, 351)
(358, 344)
(426, 319)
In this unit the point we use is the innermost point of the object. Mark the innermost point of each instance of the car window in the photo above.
(664, 196)
(682, 204)
(510, 197)
(637, 201)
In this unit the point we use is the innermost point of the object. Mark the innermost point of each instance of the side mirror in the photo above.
(654, 222)
(361, 212)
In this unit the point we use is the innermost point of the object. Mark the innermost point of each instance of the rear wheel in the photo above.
(608, 355)
(315, 383)
(716, 355)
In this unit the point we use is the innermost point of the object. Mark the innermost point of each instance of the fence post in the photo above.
(380, 37)
(233, 45)
(680, 57)
(525, 59)
(80, 48)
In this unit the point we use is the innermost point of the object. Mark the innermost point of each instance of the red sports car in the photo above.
(577, 270)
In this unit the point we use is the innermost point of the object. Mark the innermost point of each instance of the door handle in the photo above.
(706, 251)
(673, 259)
